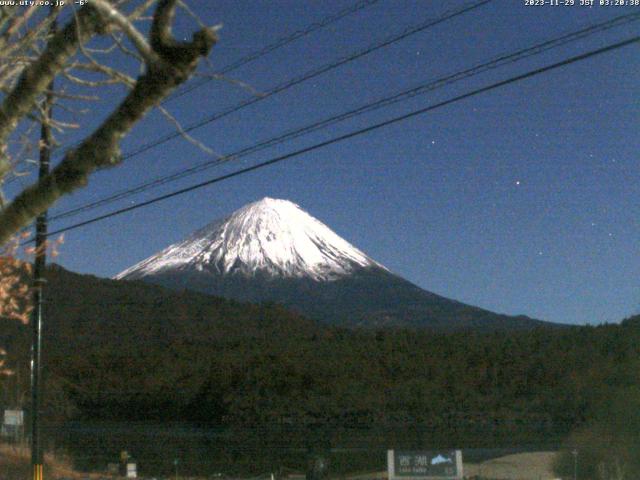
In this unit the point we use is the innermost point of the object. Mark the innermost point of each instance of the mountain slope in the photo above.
(273, 237)
(128, 349)
(272, 250)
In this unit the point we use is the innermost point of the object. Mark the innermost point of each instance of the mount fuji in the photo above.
(273, 251)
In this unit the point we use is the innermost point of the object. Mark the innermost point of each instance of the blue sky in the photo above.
(522, 200)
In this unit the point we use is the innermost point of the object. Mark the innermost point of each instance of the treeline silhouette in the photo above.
(131, 351)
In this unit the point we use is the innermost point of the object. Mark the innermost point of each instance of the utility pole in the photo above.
(39, 281)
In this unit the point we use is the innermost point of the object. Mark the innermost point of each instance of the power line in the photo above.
(496, 62)
(278, 43)
(412, 30)
(431, 22)
(353, 134)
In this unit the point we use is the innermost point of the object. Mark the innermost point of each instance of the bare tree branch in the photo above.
(174, 62)
(111, 14)
(105, 70)
(35, 78)
(140, 10)
(194, 141)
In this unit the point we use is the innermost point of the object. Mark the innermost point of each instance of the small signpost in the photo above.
(14, 417)
(425, 465)
(13, 424)
(132, 470)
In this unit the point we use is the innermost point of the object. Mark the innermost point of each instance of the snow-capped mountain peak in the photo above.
(270, 236)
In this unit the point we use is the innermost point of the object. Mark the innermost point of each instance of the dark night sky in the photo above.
(520, 200)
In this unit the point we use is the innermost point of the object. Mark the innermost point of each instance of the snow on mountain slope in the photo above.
(270, 236)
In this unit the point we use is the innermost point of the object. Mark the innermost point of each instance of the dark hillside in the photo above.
(127, 350)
